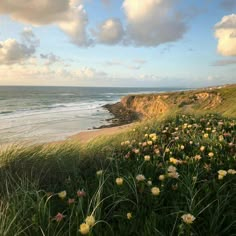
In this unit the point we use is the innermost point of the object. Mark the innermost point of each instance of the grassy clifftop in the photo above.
(217, 100)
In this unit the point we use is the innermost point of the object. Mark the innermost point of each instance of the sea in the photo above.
(44, 114)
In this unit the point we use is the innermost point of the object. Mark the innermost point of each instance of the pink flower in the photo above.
(71, 201)
(81, 193)
(59, 217)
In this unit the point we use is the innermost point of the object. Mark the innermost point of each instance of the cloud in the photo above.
(110, 32)
(224, 62)
(12, 51)
(69, 15)
(89, 73)
(228, 4)
(50, 58)
(225, 32)
(153, 22)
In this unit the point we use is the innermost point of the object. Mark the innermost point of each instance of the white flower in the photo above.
(140, 178)
(188, 218)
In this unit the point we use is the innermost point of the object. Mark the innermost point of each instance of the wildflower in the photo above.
(202, 148)
(161, 177)
(231, 171)
(119, 181)
(149, 142)
(81, 193)
(146, 135)
(173, 160)
(134, 130)
(135, 150)
(182, 147)
(220, 177)
(205, 135)
(90, 220)
(221, 138)
(149, 183)
(222, 172)
(62, 194)
(155, 191)
(59, 217)
(129, 215)
(157, 151)
(140, 178)
(84, 229)
(71, 201)
(197, 158)
(99, 172)
(167, 150)
(147, 158)
(174, 175)
(190, 142)
(188, 218)
(210, 154)
(144, 144)
(122, 143)
(171, 169)
(127, 142)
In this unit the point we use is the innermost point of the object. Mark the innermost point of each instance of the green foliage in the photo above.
(50, 190)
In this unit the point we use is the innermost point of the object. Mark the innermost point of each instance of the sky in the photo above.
(118, 43)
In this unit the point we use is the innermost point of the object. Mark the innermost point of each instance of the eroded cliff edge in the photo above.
(221, 99)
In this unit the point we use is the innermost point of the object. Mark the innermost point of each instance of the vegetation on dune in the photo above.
(175, 177)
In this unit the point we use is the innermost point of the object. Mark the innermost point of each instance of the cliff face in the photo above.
(221, 100)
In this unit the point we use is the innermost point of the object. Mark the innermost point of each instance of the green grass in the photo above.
(32, 178)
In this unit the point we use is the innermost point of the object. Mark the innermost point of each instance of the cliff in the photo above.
(220, 99)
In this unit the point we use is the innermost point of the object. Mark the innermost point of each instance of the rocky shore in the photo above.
(122, 115)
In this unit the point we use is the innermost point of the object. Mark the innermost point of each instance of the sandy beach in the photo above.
(86, 136)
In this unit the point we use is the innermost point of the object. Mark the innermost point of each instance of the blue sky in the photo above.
(148, 43)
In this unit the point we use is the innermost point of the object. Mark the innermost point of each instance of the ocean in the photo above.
(43, 114)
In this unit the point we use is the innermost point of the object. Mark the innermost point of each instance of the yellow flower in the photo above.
(84, 228)
(202, 148)
(161, 177)
(90, 220)
(62, 194)
(210, 154)
(205, 135)
(188, 218)
(119, 181)
(147, 158)
(129, 215)
(149, 142)
(221, 138)
(173, 160)
(231, 171)
(155, 191)
(167, 150)
(220, 177)
(222, 172)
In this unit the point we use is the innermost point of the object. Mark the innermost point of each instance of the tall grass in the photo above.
(142, 182)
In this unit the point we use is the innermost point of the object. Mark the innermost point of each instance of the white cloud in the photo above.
(89, 73)
(12, 51)
(153, 22)
(225, 31)
(69, 15)
(110, 32)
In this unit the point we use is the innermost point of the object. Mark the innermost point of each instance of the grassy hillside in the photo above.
(175, 177)
(217, 100)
